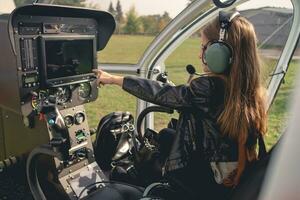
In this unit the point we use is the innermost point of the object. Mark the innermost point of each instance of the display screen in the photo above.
(66, 58)
(30, 79)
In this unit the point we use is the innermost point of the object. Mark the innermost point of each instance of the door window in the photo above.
(272, 22)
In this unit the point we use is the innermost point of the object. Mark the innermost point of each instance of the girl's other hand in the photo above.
(233, 179)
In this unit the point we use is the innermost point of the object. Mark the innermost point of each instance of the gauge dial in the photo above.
(79, 118)
(84, 90)
(69, 120)
(63, 95)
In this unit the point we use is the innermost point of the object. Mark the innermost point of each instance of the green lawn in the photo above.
(127, 49)
(278, 114)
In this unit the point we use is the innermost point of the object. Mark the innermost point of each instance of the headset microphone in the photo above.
(191, 70)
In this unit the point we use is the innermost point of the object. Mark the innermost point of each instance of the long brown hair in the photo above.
(245, 99)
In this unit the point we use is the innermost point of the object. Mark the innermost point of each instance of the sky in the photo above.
(147, 7)
(173, 7)
(6, 6)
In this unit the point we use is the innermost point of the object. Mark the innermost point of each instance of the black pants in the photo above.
(165, 139)
(117, 192)
(195, 181)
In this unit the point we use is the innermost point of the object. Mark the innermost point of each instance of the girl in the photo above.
(222, 113)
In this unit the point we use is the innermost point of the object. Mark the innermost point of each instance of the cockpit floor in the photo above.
(13, 184)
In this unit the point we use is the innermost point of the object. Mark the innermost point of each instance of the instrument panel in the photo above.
(65, 96)
(84, 90)
(56, 59)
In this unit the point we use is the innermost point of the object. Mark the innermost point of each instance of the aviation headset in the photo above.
(218, 55)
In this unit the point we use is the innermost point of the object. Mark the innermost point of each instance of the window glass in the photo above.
(278, 113)
(138, 22)
(124, 49)
(272, 26)
(111, 98)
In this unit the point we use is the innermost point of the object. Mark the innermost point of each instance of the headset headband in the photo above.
(225, 22)
(218, 56)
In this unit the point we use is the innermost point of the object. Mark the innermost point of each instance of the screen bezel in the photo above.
(68, 79)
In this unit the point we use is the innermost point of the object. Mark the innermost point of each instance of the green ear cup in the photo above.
(218, 57)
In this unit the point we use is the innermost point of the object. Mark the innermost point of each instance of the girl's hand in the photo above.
(103, 77)
(106, 78)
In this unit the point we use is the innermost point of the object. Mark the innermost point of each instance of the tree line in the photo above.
(128, 23)
(132, 23)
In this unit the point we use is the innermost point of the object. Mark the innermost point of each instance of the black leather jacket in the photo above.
(199, 105)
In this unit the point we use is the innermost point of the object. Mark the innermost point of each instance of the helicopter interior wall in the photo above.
(9, 98)
(12, 130)
(8, 81)
(18, 139)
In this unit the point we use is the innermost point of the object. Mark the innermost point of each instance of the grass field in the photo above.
(127, 49)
